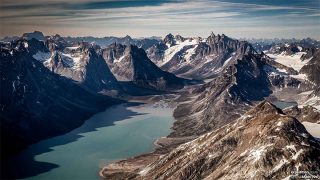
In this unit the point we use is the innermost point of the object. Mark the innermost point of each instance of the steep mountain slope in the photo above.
(196, 57)
(264, 143)
(35, 102)
(130, 63)
(80, 63)
(225, 98)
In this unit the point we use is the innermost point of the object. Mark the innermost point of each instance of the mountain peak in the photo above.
(169, 39)
(212, 34)
(128, 37)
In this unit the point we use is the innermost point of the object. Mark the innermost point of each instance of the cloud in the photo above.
(140, 18)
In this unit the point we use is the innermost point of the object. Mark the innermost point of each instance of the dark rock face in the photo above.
(169, 39)
(264, 143)
(35, 102)
(130, 63)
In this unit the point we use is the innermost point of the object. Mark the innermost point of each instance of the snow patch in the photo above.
(189, 53)
(73, 61)
(292, 61)
(282, 162)
(25, 44)
(312, 128)
(297, 154)
(256, 154)
(227, 61)
(144, 171)
(119, 60)
(42, 56)
(173, 50)
(300, 77)
(73, 48)
(279, 123)
(291, 147)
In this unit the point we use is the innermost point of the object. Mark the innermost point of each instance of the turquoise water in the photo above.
(119, 132)
(284, 104)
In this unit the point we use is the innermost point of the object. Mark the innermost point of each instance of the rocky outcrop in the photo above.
(264, 143)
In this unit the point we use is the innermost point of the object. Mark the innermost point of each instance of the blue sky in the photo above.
(246, 18)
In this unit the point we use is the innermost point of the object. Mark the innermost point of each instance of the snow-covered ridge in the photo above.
(73, 48)
(173, 50)
(72, 61)
(42, 56)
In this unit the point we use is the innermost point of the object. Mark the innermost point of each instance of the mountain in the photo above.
(80, 62)
(130, 63)
(264, 143)
(196, 57)
(36, 103)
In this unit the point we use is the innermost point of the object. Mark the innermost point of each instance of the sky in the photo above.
(145, 18)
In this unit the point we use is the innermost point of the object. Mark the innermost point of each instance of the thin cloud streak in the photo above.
(147, 19)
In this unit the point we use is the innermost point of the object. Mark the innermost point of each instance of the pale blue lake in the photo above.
(119, 132)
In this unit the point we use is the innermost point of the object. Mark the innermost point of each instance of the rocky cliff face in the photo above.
(37, 103)
(130, 63)
(264, 143)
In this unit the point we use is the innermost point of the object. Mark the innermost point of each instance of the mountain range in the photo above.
(227, 124)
